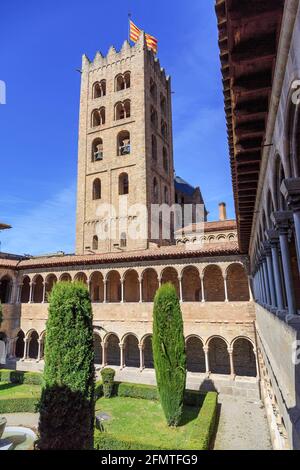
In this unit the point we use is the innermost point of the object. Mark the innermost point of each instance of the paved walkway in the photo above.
(29, 420)
(242, 425)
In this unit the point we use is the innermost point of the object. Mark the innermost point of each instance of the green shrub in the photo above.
(106, 441)
(206, 423)
(169, 352)
(108, 376)
(1, 314)
(67, 401)
(19, 405)
(21, 377)
(147, 392)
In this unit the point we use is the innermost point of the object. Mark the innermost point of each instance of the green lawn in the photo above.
(9, 390)
(143, 422)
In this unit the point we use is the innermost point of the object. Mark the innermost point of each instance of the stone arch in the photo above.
(97, 341)
(123, 143)
(191, 284)
(33, 344)
(244, 361)
(218, 356)
(81, 277)
(19, 351)
(195, 357)
(5, 289)
(99, 89)
(38, 289)
(148, 352)
(131, 350)
(65, 277)
(170, 274)
(113, 286)
(96, 287)
(237, 283)
(97, 150)
(112, 349)
(279, 176)
(25, 292)
(150, 284)
(213, 281)
(50, 281)
(131, 286)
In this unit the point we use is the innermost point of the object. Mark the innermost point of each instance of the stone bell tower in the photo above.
(125, 148)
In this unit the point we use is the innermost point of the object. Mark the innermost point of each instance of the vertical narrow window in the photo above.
(123, 240)
(123, 143)
(155, 190)
(97, 189)
(154, 148)
(123, 184)
(95, 242)
(165, 160)
(97, 150)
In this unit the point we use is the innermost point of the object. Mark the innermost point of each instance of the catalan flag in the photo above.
(135, 34)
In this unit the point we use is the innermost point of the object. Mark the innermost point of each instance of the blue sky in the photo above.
(41, 43)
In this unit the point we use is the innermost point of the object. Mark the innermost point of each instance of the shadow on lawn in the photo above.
(7, 385)
(190, 413)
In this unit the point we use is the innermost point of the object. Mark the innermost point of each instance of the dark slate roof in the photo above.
(183, 186)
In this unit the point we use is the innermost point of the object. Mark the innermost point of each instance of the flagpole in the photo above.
(129, 18)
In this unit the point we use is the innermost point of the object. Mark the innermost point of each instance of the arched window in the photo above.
(97, 150)
(98, 117)
(122, 110)
(166, 195)
(123, 240)
(99, 89)
(154, 148)
(97, 189)
(95, 242)
(123, 184)
(155, 190)
(164, 131)
(165, 160)
(122, 81)
(153, 116)
(163, 104)
(153, 89)
(123, 143)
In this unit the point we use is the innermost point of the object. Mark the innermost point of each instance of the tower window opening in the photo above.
(154, 148)
(123, 240)
(164, 130)
(155, 190)
(97, 189)
(153, 89)
(122, 81)
(123, 143)
(95, 242)
(153, 116)
(123, 184)
(99, 89)
(98, 117)
(97, 150)
(122, 110)
(163, 104)
(165, 160)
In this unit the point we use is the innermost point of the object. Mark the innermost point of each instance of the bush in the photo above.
(169, 352)
(19, 405)
(206, 421)
(67, 401)
(21, 377)
(106, 441)
(108, 376)
(1, 314)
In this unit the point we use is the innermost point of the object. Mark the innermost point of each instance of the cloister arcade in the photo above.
(215, 355)
(226, 282)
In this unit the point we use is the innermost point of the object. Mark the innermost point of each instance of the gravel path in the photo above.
(29, 420)
(242, 425)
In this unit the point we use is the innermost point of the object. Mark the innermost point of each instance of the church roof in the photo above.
(184, 186)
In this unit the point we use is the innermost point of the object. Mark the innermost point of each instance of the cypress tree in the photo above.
(169, 352)
(67, 400)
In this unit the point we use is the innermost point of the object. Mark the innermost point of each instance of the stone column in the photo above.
(121, 356)
(104, 351)
(122, 291)
(19, 293)
(105, 291)
(266, 281)
(142, 366)
(202, 289)
(225, 287)
(180, 288)
(31, 291)
(141, 289)
(290, 188)
(230, 352)
(267, 248)
(261, 283)
(282, 222)
(205, 349)
(250, 288)
(44, 292)
(274, 241)
(39, 351)
(26, 342)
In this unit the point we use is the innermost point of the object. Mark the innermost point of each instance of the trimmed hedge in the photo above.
(201, 436)
(19, 405)
(21, 377)
(147, 392)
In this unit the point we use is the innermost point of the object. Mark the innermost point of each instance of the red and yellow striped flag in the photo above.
(150, 40)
